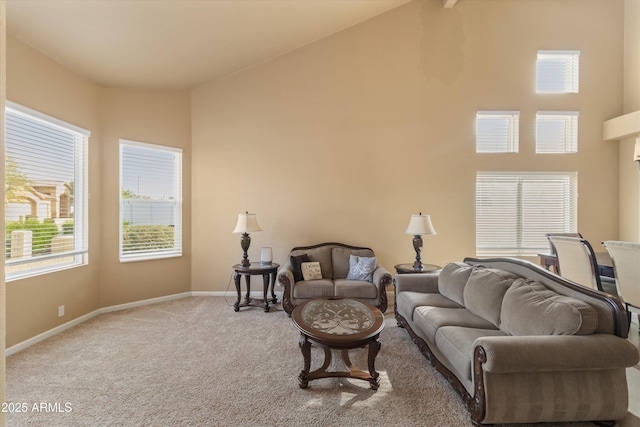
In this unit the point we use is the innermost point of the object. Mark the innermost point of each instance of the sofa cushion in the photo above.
(452, 280)
(361, 268)
(430, 319)
(340, 260)
(313, 288)
(456, 344)
(408, 301)
(311, 270)
(530, 308)
(355, 289)
(296, 266)
(484, 292)
(321, 254)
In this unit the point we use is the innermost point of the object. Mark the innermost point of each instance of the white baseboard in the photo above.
(70, 324)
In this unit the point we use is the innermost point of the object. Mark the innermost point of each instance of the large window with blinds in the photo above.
(497, 131)
(150, 201)
(46, 203)
(514, 211)
(558, 71)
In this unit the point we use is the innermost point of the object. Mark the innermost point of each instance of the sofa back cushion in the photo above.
(530, 308)
(484, 292)
(340, 260)
(452, 280)
(321, 254)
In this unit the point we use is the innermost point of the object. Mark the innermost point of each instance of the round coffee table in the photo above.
(339, 324)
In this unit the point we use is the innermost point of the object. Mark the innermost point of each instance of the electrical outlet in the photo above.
(61, 311)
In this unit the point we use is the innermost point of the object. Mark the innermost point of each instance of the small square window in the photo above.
(497, 131)
(558, 71)
(557, 132)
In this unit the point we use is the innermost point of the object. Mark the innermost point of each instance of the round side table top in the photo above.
(256, 268)
(408, 268)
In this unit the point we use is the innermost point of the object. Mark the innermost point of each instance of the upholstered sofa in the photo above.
(346, 271)
(518, 343)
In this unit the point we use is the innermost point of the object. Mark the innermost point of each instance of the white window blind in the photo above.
(497, 131)
(515, 210)
(558, 71)
(150, 201)
(557, 132)
(46, 193)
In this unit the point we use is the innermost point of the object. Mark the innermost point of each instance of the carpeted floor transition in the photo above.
(195, 362)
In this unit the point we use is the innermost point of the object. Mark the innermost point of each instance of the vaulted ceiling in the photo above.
(178, 43)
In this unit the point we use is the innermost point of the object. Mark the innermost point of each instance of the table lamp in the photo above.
(247, 223)
(419, 225)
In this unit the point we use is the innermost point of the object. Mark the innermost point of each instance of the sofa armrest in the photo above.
(381, 277)
(508, 354)
(418, 282)
(285, 279)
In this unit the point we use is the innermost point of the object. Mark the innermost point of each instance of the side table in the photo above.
(268, 273)
(408, 268)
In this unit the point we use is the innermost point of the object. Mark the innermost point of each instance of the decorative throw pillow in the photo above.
(296, 263)
(311, 270)
(361, 268)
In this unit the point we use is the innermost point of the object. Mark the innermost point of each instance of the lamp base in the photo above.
(245, 241)
(417, 246)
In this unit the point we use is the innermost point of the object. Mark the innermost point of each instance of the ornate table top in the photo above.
(337, 319)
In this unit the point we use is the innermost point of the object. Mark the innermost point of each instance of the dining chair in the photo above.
(553, 250)
(577, 262)
(626, 265)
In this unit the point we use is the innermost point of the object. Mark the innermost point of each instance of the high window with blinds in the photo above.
(515, 210)
(497, 131)
(557, 132)
(558, 71)
(46, 193)
(150, 201)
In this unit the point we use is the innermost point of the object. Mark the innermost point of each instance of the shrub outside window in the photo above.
(150, 201)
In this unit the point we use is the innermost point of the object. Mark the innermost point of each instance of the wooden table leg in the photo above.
(265, 290)
(247, 298)
(305, 348)
(374, 348)
(273, 283)
(236, 280)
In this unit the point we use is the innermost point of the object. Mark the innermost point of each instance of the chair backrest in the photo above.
(626, 264)
(553, 250)
(576, 260)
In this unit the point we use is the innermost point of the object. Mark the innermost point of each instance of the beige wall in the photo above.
(158, 117)
(344, 139)
(155, 117)
(37, 82)
(629, 172)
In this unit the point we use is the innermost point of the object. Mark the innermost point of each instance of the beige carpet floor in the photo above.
(195, 362)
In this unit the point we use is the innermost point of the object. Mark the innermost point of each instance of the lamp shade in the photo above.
(636, 151)
(247, 223)
(419, 225)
